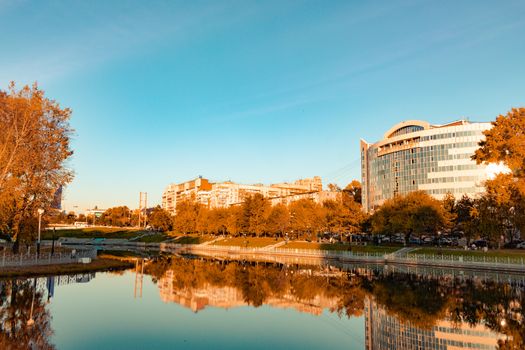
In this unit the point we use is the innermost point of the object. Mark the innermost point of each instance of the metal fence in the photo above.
(45, 258)
(462, 260)
(279, 251)
(453, 260)
(410, 258)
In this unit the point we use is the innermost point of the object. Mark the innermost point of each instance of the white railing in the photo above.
(276, 251)
(45, 258)
(453, 259)
(410, 257)
(432, 259)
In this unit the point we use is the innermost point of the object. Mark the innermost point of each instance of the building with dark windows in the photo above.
(386, 332)
(415, 155)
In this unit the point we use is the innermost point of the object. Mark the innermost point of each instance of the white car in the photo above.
(521, 245)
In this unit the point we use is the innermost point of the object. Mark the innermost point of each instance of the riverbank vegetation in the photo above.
(94, 232)
(99, 264)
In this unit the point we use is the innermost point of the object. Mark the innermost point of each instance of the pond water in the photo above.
(196, 303)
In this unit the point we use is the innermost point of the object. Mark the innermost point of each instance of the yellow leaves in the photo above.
(34, 145)
(505, 142)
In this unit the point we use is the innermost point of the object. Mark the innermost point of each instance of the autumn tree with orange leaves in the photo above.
(502, 208)
(34, 147)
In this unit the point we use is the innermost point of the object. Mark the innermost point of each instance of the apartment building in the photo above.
(226, 194)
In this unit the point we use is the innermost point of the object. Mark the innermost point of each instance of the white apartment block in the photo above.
(226, 194)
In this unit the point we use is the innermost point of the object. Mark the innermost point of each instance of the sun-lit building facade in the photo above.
(415, 155)
(226, 194)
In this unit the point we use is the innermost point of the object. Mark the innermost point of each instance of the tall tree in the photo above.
(353, 191)
(255, 212)
(116, 216)
(34, 147)
(306, 218)
(504, 142)
(279, 220)
(415, 212)
(504, 201)
(466, 217)
(160, 219)
(449, 205)
(185, 220)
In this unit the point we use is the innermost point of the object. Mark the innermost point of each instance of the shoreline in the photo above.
(97, 265)
(435, 260)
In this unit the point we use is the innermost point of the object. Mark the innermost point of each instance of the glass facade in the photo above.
(387, 332)
(436, 159)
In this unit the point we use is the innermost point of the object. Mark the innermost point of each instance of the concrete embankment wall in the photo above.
(299, 255)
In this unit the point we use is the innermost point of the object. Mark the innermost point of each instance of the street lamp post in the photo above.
(40, 212)
(31, 320)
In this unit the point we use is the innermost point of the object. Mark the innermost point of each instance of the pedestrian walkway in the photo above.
(276, 245)
(212, 241)
(402, 252)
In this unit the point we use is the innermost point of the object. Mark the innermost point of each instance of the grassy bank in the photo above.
(253, 242)
(501, 253)
(101, 264)
(95, 232)
(192, 239)
(339, 246)
(154, 238)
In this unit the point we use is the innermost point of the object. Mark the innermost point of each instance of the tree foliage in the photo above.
(505, 142)
(303, 218)
(415, 213)
(160, 219)
(34, 148)
(116, 216)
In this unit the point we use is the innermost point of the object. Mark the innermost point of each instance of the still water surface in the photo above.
(175, 302)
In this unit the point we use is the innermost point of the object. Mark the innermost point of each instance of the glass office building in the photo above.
(384, 331)
(415, 155)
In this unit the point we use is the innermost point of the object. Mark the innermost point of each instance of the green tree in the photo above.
(466, 217)
(160, 219)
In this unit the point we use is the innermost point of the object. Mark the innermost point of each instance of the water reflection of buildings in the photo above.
(227, 297)
(46, 285)
(385, 332)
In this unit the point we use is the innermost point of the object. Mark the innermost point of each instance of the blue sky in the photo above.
(254, 91)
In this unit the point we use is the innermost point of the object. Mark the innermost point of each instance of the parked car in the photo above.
(427, 240)
(385, 239)
(443, 241)
(398, 239)
(521, 245)
(480, 243)
(414, 240)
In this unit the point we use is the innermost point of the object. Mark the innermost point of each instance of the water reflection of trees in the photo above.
(24, 321)
(422, 301)
(260, 281)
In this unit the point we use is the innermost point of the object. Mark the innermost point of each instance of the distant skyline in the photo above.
(253, 92)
